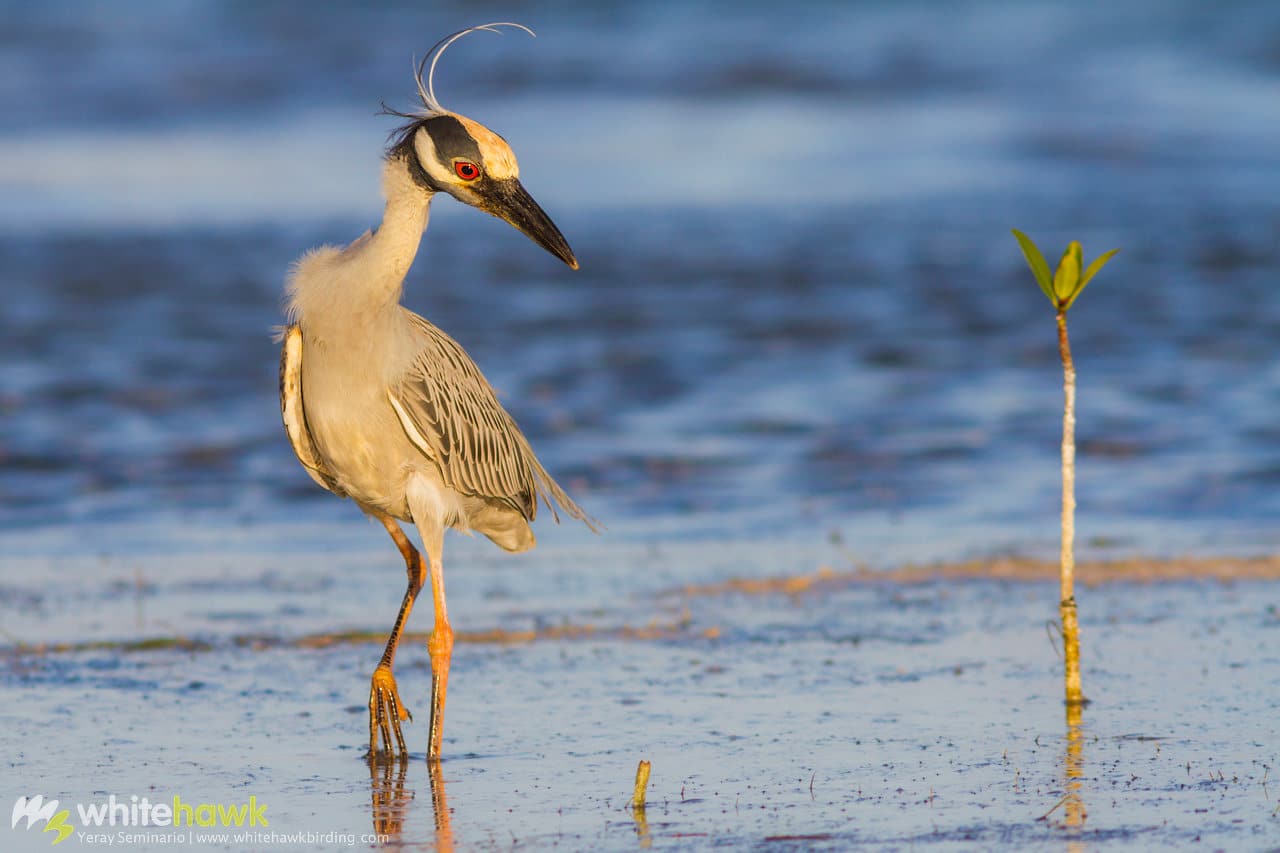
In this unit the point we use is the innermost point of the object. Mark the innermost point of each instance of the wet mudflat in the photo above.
(898, 709)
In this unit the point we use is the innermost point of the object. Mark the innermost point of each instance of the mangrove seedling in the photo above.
(642, 786)
(1062, 288)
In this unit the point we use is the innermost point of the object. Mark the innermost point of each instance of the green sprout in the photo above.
(1062, 289)
(1066, 284)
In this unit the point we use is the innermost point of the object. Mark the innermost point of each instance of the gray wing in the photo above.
(293, 414)
(450, 411)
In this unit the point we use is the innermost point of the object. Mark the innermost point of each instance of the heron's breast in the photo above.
(360, 439)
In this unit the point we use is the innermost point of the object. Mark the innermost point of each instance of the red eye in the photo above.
(466, 170)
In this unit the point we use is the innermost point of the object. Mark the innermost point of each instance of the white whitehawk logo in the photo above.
(36, 810)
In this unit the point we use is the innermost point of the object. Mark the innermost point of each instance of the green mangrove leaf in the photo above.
(1067, 278)
(1098, 264)
(1088, 274)
(1035, 260)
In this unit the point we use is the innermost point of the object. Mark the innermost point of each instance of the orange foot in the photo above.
(386, 711)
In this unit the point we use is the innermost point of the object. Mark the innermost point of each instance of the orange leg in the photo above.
(440, 647)
(386, 710)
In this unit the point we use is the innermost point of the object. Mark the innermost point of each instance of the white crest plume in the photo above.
(428, 92)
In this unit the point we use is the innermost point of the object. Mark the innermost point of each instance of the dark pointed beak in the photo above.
(508, 200)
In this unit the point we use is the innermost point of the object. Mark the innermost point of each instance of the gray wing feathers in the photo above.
(293, 414)
(477, 445)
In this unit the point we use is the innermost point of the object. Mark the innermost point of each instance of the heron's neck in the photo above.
(390, 250)
(338, 293)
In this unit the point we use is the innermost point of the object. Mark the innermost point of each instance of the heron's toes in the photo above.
(386, 711)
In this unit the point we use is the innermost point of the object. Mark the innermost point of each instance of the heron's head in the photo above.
(447, 152)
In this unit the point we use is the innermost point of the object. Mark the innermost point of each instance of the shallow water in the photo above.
(802, 336)
(876, 713)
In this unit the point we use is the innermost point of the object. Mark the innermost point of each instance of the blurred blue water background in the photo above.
(800, 310)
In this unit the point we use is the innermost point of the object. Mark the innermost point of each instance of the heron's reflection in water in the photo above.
(390, 798)
(440, 808)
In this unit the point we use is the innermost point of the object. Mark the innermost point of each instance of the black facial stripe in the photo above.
(403, 148)
(419, 174)
(452, 140)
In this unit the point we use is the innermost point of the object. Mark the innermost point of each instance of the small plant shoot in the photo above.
(1064, 285)
(1062, 288)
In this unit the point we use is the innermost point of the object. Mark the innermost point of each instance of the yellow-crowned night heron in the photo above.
(384, 408)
